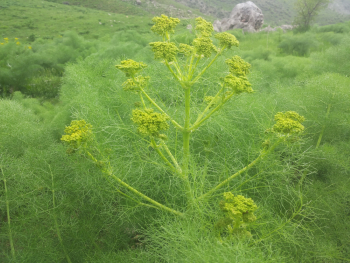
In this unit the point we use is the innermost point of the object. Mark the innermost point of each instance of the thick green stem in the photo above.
(8, 217)
(186, 144)
(161, 110)
(55, 219)
(259, 158)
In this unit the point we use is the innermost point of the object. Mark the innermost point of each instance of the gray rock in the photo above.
(246, 15)
(138, 2)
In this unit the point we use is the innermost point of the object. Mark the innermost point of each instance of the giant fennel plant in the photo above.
(151, 119)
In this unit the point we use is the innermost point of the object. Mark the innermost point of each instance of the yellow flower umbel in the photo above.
(227, 40)
(131, 67)
(204, 28)
(288, 123)
(135, 84)
(237, 81)
(150, 123)
(203, 44)
(78, 134)
(6, 39)
(238, 66)
(239, 213)
(185, 49)
(164, 26)
(164, 50)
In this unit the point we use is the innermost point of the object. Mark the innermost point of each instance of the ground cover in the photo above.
(63, 206)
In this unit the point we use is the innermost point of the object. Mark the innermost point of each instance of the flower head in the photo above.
(6, 39)
(204, 28)
(237, 84)
(131, 67)
(238, 66)
(164, 50)
(187, 50)
(227, 40)
(150, 123)
(18, 43)
(238, 206)
(164, 25)
(16, 38)
(288, 122)
(204, 46)
(135, 84)
(78, 134)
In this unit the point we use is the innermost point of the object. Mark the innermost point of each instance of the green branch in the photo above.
(208, 107)
(161, 110)
(208, 66)
(156, 148)
(178, 168)
(259, 158)
(122, 183)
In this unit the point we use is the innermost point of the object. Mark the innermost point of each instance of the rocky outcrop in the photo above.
(246, 15)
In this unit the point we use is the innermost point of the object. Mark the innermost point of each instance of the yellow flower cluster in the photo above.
(185, 49)
(164, 25)
(227, 40)
(164, 50)
(131, 67)
(288, 123)
(77, 134)
(237, 81)
(237, 84)
(150, 123)
(136, 83)
(204, 46)
(238, 66)
(238, 207)
(239, 212)
(204, 28)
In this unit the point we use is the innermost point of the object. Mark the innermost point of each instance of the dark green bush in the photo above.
(298, 45)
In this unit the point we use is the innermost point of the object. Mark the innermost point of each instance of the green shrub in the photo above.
(298, 45)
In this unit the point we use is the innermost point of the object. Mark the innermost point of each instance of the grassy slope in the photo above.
(47, 20)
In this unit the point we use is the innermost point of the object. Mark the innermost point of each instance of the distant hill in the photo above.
(276, 12)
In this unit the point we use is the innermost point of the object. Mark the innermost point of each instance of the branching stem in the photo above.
(259, 158)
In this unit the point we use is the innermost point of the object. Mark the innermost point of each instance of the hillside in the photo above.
(276, 12)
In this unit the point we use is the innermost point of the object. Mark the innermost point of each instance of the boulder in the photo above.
(138, 2)
(246, 15)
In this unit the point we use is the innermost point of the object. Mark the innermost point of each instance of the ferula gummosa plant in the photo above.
(151, 119)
